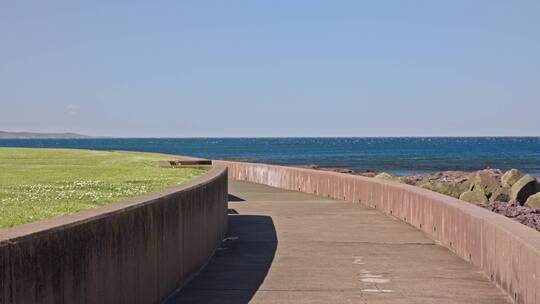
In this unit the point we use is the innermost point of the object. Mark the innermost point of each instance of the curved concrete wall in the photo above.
(507, 251)
(135, 251)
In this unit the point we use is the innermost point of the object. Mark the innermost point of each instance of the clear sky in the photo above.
(271, 68)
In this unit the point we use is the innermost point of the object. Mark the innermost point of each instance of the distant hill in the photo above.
(30, 135)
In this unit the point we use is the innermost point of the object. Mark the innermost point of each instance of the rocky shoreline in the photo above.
(513, 194)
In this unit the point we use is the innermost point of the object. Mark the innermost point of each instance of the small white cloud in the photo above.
(72, 109)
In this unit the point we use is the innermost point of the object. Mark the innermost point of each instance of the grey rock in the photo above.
(523, 188)
(500, 195)
(384, 176)
(533, 201)
(485, 181)
(510, 177)
(448, 188)
(475, 197)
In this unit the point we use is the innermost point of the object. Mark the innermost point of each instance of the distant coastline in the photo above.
(35, 135)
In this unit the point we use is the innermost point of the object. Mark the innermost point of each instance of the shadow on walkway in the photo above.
(234, 198)
(238, 267)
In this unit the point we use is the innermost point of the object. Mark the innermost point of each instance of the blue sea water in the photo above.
(395, 155)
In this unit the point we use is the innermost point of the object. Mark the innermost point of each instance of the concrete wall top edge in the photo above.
(31, 230)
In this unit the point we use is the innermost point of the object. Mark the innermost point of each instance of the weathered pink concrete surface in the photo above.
(136, 251)
(508, 252)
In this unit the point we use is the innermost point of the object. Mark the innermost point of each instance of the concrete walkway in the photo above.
(290, 247)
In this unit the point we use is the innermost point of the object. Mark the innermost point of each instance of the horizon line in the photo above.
(283, 137)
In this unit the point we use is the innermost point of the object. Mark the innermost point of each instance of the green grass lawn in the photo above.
(36, 184)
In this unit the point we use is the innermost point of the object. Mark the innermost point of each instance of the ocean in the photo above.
(393, 155)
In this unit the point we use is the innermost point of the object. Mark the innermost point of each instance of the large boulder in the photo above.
(384, 176)
(475, 197)
(422, 181)
(486, 182)
(510, 177)
(448, 188)
(397, 179)
(404, 180)
(444, 176)
(523, 188)
(533, 201)
(500, 195)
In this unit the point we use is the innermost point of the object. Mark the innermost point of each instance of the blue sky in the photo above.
(271, 68)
